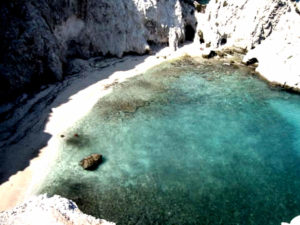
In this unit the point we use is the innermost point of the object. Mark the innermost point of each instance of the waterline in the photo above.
(185, 143)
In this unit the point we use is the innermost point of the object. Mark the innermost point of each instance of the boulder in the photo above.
(91, 162)
(251, 61)
(210, 55)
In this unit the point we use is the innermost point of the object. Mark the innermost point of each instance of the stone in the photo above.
(297, 10)
(265, 30)
(201, 36)
(91, 162)
(251, 61)
(212, 54)
(295, 221)
(221, 54)
(174, 35)
(235, 50)
(76, 66)
(48, 210)
(199, 7)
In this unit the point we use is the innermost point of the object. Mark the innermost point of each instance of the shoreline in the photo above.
(24, 184)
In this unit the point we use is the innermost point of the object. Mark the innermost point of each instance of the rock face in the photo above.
(91, 162)
(295, 221)
(38, 38)
(268, 29)
(48, 211)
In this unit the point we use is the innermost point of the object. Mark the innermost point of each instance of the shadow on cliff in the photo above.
(23, 131)
(30, 47)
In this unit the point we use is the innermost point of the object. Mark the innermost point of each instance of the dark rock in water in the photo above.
(210, 55)
(251, 61)
(91, 162)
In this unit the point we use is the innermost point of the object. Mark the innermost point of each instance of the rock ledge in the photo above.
(48, 210)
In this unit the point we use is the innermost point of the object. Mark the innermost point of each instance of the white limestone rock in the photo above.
(41, 36)
(295, 221)
(48, 211)
(119, 26)
(268, 29)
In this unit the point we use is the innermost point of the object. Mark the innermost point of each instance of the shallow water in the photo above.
(186, 143)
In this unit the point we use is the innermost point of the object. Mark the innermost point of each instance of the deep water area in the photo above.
(188, 142)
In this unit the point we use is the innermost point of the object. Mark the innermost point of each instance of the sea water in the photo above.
(186, 143)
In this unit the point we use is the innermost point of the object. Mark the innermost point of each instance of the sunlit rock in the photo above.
(295, 221)
(48, 211)
(91, 162)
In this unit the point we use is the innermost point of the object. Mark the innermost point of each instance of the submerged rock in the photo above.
(91, 162)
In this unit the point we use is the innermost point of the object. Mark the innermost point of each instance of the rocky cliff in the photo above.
(267, 30)
(44, 210)
(38, 38)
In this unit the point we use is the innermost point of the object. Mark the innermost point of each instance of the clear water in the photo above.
(186, 143)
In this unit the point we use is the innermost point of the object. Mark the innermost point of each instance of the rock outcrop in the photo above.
(91, 162)
(48, 211)
(268, 29)
(295, 221)
(38, 38)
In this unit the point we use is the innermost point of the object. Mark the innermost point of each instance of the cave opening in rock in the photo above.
(223, 40)
(189, 32)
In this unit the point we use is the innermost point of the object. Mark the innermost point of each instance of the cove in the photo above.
(187, 142)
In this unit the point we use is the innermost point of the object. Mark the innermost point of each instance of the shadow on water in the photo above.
(16, 156)
(78, 141)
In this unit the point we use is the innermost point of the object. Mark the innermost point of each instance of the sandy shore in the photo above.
(81, 93)
(24, 184)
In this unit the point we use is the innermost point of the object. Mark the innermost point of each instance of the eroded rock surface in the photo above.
(38, 38)
(48, 210)
(269, 30)
(295, 221)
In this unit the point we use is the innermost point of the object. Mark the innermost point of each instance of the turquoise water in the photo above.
(186, 143)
